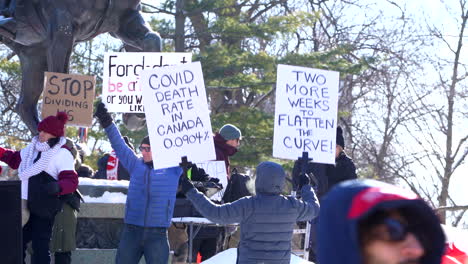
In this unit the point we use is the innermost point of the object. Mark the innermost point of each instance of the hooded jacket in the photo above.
(266, 219)
(351, 201)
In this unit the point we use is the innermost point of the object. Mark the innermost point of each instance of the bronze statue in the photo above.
(43, 32)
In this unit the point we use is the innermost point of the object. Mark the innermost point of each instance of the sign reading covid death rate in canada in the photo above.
(177, 114)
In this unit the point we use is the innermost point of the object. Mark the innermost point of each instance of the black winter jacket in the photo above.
(343, 170)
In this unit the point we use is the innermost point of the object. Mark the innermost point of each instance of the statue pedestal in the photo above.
(100, 219)
(99, 225)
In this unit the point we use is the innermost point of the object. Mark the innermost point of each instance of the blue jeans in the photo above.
(137, 241)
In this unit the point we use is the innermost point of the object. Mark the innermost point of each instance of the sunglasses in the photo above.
(147, 149)
(397, 230)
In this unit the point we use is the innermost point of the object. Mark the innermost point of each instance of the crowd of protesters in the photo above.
(370, 221)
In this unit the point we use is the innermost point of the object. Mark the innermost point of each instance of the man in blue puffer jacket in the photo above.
(266, 219)
(150, 199)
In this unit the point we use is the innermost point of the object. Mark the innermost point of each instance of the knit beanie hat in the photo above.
(229, 132)
(145, 140)
(54, 125)
(339, 137)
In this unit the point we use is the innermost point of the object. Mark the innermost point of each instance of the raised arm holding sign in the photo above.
(150, 199)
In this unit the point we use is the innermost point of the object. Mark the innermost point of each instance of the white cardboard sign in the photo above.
(216, 169)
(177, 114)
(120, 89)
(306, 113)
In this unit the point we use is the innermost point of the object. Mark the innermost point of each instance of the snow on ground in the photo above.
(229, 257)
(107, 197)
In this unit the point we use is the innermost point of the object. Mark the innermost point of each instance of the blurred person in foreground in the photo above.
(372, 222)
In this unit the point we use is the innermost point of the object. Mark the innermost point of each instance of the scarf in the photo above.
(27, 166)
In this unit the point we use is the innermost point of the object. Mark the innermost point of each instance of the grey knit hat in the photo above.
(229, 132)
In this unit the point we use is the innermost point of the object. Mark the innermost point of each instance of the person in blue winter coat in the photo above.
(266, 219)
(150, 199)
(371, 222)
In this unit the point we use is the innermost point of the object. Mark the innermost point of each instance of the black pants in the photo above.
(313, 241)
(63, 257)
(207, 247)
(208, 241)
(38, 230)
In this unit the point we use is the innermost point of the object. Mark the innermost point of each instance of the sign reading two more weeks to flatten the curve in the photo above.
(177, 114)
(70, 93)
(306, 113)
(120, 89)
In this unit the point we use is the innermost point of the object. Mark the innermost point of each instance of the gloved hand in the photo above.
(52, 188)
(215, 180)
(304, 179)
(185, 184)
(104, 118)
(197, 174)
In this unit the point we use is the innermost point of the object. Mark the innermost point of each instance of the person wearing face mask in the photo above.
(371, 222)
(150, 199)
(46, 170)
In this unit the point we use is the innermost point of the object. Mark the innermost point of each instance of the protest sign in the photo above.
(70, 93)
(177, 114)
(120, 89)
(306, 113)
(216, 169)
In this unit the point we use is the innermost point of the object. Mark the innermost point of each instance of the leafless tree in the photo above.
(443, 130)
